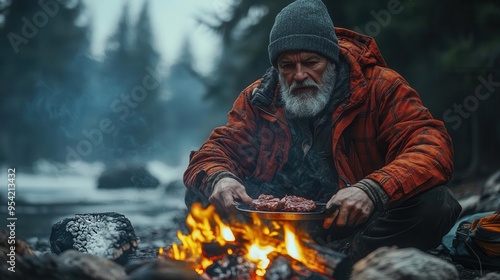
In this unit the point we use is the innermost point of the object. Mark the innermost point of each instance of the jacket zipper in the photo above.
(267, 112)
(341, 113)
(270, 114)
(336, 167)
(345, 181)
(333, 124)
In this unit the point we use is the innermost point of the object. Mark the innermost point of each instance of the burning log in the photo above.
(231, 267)
(284, 268)
(214, 251)
(164, 269)
(327, 261)
(281, 268)
(246, 250)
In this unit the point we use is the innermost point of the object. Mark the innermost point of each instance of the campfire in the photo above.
(248, 250)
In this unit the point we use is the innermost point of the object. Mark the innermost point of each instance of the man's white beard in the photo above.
(308, 103)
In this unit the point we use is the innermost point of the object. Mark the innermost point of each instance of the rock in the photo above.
(490, 194)
(76, 265)
(106, 235)
(176, 187)
(399, 264)
(161, 269)
(479, 197)
(69, 265)
(11, 252)
(491, 276)
(35, 268)
(127, 176)
(7, 239)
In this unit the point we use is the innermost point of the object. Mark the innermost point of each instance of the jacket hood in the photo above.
(361, 48)
(362, 54)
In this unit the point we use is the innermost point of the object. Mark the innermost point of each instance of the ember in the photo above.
(214, 247)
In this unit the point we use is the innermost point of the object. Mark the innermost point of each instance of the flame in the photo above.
(205, 227)
(258, 242)
(258, 254)
(227, 233)
(292, 244)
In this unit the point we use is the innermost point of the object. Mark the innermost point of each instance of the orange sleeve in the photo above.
(419, 149)
(232, 148)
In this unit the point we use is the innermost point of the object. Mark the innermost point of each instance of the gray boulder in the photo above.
(106, 235)
(127, 175)
(76, 265)
(491, 276)
(490, 194)
(399, 264)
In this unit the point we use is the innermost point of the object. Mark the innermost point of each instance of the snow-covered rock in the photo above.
(106, 235)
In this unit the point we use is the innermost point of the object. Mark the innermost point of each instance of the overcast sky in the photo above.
(171, 20)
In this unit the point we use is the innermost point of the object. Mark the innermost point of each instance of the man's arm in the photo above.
(419, 149)
(231, 150)
(419, 155)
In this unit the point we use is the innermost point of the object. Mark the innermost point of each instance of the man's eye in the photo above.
(287, 66)
(311, 63)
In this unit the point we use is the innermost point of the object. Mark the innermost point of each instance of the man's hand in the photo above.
(355, 208)
(226, 192)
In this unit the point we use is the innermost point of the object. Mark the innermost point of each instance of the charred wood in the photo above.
(164, 269)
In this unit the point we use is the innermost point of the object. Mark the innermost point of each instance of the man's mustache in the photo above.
(304, 84)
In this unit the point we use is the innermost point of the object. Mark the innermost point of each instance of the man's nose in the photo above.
(300, 75)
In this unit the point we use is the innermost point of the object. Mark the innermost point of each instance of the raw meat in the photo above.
(289, 203)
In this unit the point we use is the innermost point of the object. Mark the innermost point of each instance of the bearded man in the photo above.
(331, 122)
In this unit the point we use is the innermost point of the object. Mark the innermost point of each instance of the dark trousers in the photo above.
(418, 222)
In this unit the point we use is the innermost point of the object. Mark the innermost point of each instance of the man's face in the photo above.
(307, 81)
(300, 66)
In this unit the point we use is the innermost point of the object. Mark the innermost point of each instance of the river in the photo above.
(44, 198)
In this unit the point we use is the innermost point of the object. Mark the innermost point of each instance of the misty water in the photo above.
(44, 197)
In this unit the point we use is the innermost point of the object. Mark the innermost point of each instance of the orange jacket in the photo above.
(380, 132)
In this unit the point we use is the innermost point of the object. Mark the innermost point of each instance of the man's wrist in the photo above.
(375, 192)
(216, 177)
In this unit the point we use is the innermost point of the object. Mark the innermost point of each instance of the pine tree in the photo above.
(43, 50)
(187, 115)
(135, 109)
(244, 56)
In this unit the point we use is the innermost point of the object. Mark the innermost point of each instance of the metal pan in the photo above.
(318, 214)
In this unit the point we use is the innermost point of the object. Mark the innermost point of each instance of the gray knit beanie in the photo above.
(304, 25)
